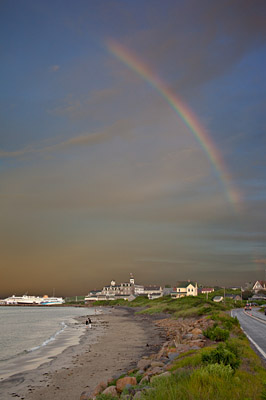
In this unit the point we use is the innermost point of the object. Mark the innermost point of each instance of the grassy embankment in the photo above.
(227, 369)
(183, 307)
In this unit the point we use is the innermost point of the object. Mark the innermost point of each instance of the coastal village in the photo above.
(130, 290)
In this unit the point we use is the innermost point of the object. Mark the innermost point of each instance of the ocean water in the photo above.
(28, 331)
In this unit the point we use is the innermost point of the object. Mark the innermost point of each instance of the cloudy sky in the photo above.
(102, 173)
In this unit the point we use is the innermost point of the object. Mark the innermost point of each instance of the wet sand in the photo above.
(114, 344)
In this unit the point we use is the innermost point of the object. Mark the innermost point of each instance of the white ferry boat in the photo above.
(33, 300)
(50, 301)
(25, 299)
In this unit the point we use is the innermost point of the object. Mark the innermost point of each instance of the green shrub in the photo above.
(217, 334)
(263, 393)
(226, 321)
(234, 346)
(216, 370)
(221, 355)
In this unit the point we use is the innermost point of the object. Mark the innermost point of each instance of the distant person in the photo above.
(88, 322)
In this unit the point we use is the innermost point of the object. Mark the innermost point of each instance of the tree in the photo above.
(246, 294)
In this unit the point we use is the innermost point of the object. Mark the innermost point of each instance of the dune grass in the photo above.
(192, 379)
(230, 370)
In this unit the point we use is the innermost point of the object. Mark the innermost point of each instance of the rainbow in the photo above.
(188, 117)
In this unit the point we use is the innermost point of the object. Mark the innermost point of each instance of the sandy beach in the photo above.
(116, 341)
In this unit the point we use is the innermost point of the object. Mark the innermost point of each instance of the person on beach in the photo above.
(88, 322)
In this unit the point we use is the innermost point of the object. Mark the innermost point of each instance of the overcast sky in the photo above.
(99, 174)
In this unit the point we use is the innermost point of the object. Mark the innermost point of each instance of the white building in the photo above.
(153, 291)
(124, 291)
(114, 291)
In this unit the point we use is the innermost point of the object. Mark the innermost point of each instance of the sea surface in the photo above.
(28, 334)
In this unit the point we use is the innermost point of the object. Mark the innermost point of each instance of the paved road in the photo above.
(253, 324)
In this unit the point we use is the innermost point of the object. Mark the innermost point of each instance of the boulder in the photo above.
(143, 364)
(99, 388)
(187, 336)
(111, 390)
(122, 382)
(172, 356)
(129, 388)
(198, 343)
(157, 364)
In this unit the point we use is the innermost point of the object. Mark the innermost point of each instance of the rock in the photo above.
(157, 364)
(143, 364)
(122, 382)
(154, 371)
(163, 375)
(130, 371)
(85, 396)
(172, 350)
(164, 360)
(99, 388)
(172, 356)
(137, 395)
(196, 331)
(200, 336)
(129, 388)
(110, 380)
(181, 348)
(198, 343)
(187, 336)
(111, 390)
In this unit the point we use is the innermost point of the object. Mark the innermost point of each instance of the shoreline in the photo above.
(115, 343)
(67, 331)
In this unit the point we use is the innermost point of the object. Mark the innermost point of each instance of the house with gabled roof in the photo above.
(185, 288)
(259, 285)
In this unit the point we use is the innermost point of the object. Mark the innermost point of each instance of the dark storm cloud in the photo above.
(198, 41)
(99, 176)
